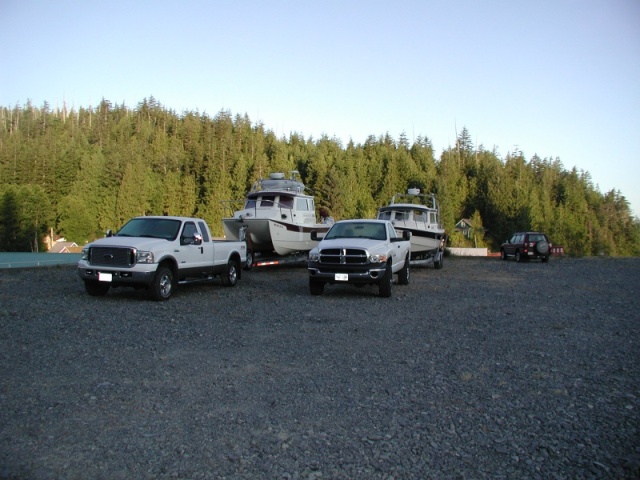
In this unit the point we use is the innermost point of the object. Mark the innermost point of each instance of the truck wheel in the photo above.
(96, 289)
(248, 265)
(316, 287)
(518, 257)
(230, 275)
(162, 285)
(503, 254)
(405, 273)
(384, 287)
(440, 260)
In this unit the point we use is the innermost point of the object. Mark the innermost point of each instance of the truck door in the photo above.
(192, 252)
(396, 258)
(207, 244)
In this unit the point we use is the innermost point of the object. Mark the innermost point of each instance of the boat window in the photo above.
(251, 203)
(384, 215)
(402, 215)
(302, 205)
(419, 216)
(434, 218)
(286, 201)
(267, 200)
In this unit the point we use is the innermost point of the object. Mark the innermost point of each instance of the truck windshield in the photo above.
(373, 231)
(150, 227)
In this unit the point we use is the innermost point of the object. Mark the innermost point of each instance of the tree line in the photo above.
(78, 172)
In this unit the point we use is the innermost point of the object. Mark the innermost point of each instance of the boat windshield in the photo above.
(374, 231)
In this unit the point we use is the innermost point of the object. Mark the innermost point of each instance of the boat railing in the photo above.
(231, 206)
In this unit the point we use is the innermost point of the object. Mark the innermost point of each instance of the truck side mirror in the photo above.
(109, 233)
(406, 234)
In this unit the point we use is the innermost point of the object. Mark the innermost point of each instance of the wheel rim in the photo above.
(165, 285)
(233, 274)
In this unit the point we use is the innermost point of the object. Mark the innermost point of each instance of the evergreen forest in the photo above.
(78, 172)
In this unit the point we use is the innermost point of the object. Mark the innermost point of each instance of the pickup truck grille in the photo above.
(112, 256)
(343, 256)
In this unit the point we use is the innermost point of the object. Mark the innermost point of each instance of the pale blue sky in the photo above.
(553, 78)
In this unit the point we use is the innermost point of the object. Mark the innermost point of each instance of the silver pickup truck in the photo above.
(360, 252)
(157, 253)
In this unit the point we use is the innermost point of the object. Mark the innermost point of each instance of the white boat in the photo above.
(279, 217)
(412, 212)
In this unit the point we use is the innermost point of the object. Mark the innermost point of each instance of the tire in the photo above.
(384, 287)
(440, 260)
(503, 255)
(316, 287)
(518, 257)
(163, 284)
(231, 274)
(96, 289)
(248, 265)
(405, 273)
(545, 259)
(542, 248)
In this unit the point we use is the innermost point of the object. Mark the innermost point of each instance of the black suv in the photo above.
(526, 245)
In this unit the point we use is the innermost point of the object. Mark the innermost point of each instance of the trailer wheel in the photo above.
(248, 265)
(440, 260)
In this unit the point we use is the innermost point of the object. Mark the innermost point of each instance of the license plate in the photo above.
(342, 277)
(105, 277)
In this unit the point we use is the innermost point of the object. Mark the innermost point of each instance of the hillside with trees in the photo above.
(79, 172)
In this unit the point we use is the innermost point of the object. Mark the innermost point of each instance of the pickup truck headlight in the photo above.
(84, 255)
(144, 257)
(314, 256)
(378, 258)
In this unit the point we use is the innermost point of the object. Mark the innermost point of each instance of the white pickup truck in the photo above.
(360, 252)
(157, 253)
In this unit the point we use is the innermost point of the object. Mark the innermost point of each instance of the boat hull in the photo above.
(424, 241)
(267, 235)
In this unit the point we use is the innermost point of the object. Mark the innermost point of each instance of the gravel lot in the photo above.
(484, 369)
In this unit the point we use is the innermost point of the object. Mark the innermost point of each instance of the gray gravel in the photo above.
(484, 369)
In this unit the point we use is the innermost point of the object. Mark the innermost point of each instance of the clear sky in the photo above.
(557, 78)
